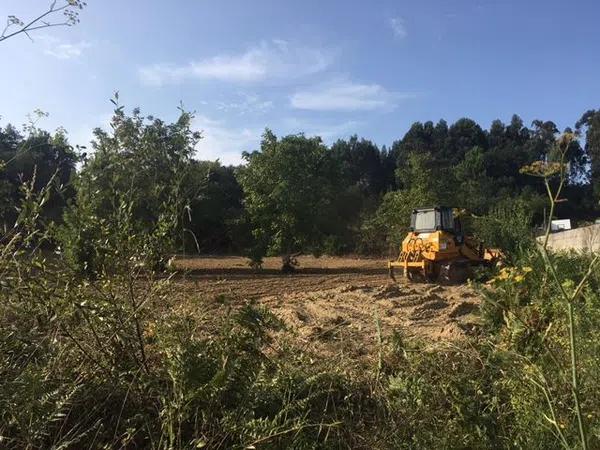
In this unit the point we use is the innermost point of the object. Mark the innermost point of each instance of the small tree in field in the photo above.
(136, 181)
(289, 187)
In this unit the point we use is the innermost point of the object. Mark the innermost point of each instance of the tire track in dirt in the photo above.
(414, 310)
(256, 286)
(334, 315)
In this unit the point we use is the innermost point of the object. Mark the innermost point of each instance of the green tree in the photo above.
(509, 148)
(37, 158)
(215, 220)
(473, 188)
(366, 173)
(590, 122)
(135, 180)
(423, 186)
(463, 135)
(421, 137)
(361, 165)
(289, 187)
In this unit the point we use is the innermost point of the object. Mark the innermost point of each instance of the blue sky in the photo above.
(332, 68)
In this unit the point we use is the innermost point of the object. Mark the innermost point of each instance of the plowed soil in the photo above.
(338, 308)
(234, 277)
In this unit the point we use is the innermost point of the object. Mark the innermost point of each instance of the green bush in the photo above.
(526, 314)
(507, 226)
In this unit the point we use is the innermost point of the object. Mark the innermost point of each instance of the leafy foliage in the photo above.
(134, 183)
(40, 156)
(507, 226)
(421, 188)
(289, 189)
(214, 218)
(590, 121)
(526, 314)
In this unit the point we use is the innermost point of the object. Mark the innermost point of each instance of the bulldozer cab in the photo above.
(428, 220)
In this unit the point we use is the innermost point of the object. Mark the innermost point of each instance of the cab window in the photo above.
(447, 219)
(425, 221)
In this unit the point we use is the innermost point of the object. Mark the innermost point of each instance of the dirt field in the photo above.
(332, 306)
(233, 276)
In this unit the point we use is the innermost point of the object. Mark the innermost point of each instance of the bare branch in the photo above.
(70, 10)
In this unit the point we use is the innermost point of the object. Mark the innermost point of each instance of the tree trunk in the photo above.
(287, 263)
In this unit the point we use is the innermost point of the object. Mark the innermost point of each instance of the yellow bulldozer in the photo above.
(436, 248)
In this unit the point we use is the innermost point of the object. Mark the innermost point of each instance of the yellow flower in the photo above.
(519, 278)
(504, 274)
(527, 269)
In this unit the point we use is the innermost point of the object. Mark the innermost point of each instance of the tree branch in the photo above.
(69, 8)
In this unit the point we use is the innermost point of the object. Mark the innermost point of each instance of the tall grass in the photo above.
(570, 290)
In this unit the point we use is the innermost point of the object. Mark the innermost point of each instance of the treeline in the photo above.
(294, 194)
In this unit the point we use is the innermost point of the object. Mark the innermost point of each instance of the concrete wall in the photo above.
(585, 238)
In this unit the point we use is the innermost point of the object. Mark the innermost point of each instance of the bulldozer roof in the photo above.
(432, 208)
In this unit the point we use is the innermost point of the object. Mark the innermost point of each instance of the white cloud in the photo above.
(343, 95)
(247, 104)
(225, 143)
(63, 50)
(398, 27)
(274, 59)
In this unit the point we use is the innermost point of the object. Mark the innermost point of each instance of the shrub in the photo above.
(526, 312)
(136, 184)
(507, 226)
